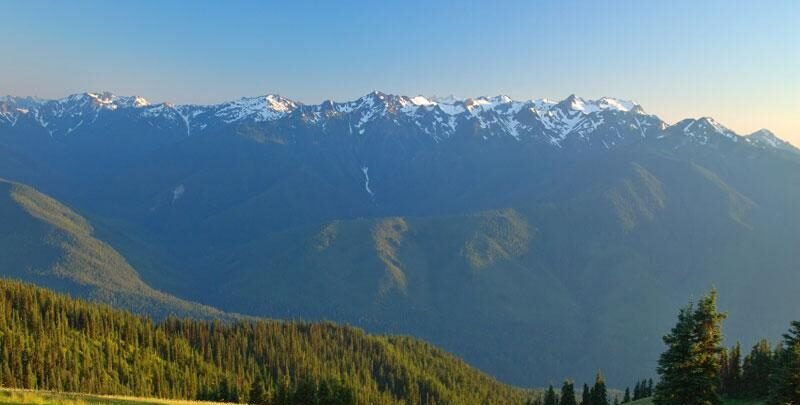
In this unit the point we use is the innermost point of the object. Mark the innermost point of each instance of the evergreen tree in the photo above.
(599, 392)
(586, 395)
(550, 397)
(627, 397)
(258, 393)
(724, 371)
(756, 371)
(785, 382)
(733, 385)
(690, 366)
(305, 393)
(568, 394)
(707, 320)
(649, 392)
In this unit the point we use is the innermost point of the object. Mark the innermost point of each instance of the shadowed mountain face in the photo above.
(47, 243)
(538, 239)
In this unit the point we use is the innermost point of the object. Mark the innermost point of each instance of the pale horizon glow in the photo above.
(735, 61)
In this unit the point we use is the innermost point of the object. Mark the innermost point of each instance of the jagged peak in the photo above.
(588, 106)
(104, 99)
(260, 108)
(766, 137)
(704, 128)
(716, 126)
(763, 133)
(420, 100)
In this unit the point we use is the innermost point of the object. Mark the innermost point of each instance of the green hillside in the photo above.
(49, 244)
(53, 342)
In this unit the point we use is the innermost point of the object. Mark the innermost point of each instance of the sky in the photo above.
(736, 61)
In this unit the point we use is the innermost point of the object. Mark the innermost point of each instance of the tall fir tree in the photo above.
(258, 393)
(586, 395)
(785, 381)
(568, 394)
(690, 367)
(734, 384)
(627, 397)
(708, 332)
(674, 366)
(599, 391)
(756, 371)
(550, 398)
(724, 370)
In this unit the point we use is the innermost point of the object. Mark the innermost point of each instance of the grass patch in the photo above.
(17, 397)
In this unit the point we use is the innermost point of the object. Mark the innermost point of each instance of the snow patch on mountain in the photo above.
(365, 170)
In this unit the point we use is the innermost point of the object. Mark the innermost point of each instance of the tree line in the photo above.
(642, 389)
(595, 395)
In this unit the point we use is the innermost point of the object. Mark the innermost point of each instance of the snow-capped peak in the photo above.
(106, 100)
(263, 108)
(763, 133)
(765, 137)
(281, 104)
(140, 102)
(421, 101)
(716, 126)
(608, 103)
(579, 104)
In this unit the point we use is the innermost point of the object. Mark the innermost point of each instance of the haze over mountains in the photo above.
(536, 239)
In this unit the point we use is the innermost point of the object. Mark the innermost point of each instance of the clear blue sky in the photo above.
(736, 61)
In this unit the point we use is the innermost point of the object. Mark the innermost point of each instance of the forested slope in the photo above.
(51, 341)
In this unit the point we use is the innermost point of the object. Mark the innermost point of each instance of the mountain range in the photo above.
(536, 239)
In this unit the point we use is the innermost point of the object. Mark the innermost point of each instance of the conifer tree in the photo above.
(586, 395)
(568, 394)
(599, 392)
(756, 371)
(550, 397)
(707, 320)
(724, 371)
(258, 393)
(627, 397)
(305, 393)
(690, 366)
(734, 377)
(785, 382)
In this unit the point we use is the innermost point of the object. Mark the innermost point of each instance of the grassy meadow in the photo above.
(15, 397)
